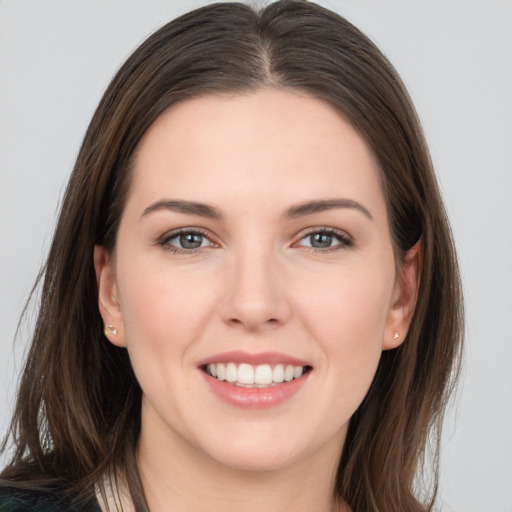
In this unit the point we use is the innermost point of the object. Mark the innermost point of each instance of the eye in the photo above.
(325, 240)
(185, 241)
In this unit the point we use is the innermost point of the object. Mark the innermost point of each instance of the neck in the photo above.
(177, 476)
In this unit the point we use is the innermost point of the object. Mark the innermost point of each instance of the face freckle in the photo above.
(255, 227)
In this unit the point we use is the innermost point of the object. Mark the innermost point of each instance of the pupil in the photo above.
(321, 240)
(191, 241)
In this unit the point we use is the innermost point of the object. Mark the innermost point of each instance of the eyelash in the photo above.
(165, 240)
(344, 241)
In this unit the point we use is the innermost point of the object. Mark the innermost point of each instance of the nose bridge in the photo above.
(255, 296)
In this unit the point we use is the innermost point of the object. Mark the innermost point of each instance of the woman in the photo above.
(252, 297)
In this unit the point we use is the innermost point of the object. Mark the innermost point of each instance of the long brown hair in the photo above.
(77, 415)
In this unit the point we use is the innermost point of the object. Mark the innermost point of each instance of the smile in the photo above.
(254, 381)
(255, 376)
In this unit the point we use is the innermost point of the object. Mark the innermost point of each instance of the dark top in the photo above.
(23, 500)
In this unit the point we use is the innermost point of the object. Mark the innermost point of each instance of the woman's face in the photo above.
(254, 247)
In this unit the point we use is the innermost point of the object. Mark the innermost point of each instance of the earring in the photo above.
(110, 330)
(396, 335)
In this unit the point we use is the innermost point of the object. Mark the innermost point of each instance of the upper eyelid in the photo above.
(188, 229)
(345, 239)
(323, 229)
(298, 237)
(169, 235)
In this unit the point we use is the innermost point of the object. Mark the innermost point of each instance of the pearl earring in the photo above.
(396, 335)
(110, 330)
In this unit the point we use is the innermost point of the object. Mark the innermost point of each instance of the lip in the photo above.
(239, 356)
(254, 398)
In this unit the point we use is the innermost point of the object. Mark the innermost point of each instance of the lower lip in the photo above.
(255, 398)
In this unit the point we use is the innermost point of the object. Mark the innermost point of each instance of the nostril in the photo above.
(238, 321)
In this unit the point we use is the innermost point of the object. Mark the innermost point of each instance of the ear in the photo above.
(404, 297)
(108, 300)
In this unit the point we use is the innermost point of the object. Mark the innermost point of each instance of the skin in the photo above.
(257, 285)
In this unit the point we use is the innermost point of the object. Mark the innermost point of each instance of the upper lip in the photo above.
(239, 356)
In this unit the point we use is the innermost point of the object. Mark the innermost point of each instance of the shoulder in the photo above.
(15, 499)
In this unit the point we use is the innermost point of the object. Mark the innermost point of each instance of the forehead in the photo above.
(267, 147)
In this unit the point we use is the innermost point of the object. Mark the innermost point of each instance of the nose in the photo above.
(256, 295)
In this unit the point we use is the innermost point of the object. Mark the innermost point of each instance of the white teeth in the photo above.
(263, 374)
(288, 373)
(278, 373)
(231, 372)
(221, 372)
(245, 374)
(254, 376)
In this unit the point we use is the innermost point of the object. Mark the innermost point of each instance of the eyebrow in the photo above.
(311, 207)
(187, 207)
(211, 212)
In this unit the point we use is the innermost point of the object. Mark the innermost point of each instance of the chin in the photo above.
(256, 460)
(256, 450)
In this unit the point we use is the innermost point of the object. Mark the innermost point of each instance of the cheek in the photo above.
(353, 306)
(347, 320)
(164, 314)
(163, 311)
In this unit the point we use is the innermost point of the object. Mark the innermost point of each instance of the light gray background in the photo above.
(56, 58)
